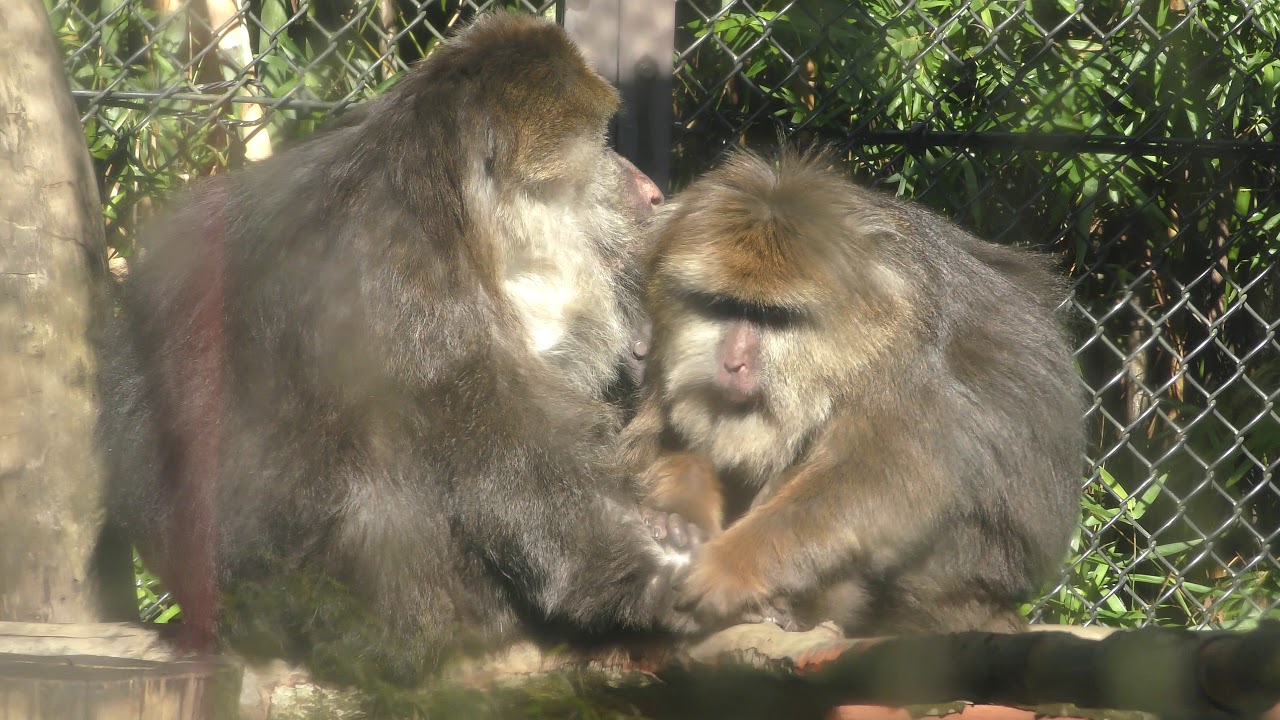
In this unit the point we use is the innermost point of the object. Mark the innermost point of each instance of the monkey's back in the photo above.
(996, 379)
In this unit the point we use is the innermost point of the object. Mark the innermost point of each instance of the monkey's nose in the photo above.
(655, 196)
(648, 190)
(737, 380)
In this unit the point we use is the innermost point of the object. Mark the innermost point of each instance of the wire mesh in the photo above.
(173, 89)
(1134, 141)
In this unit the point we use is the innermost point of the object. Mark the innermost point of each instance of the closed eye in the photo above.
(724, 307)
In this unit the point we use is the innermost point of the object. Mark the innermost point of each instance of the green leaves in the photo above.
(153, 601)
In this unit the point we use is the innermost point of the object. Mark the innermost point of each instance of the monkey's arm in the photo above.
(869, 503)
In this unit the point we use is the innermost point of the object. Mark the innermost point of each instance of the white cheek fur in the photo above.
(758, 444)
(691, 354)
(555, 278)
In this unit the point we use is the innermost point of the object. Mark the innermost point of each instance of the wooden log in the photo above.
(52, 305)
(1161, 671)
(108, 671)
(86, 687)
(124, 640)
(66, 671)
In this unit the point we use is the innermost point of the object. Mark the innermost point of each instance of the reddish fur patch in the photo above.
(730, 566)
(195, 401)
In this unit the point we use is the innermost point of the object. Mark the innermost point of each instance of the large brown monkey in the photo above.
(353, 402)
(883, 407)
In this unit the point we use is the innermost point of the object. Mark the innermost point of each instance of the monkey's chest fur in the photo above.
(754, 446)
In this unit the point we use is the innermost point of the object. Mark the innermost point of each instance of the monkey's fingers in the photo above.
(664, 590)
(777, 611)
(672, 530)
(653, 521)
(696, 535)
(681, 533)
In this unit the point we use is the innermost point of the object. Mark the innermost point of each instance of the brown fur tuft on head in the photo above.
(780, 233)
(528, 82)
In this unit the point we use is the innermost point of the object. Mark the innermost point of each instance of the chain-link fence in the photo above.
(1133, 140)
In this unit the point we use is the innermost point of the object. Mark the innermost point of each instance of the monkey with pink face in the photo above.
(872, 416)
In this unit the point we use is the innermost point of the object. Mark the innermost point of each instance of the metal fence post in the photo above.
(632, 44)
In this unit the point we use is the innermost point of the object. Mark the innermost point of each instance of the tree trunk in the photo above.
(52, 275)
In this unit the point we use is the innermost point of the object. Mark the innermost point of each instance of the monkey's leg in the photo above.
(395, 616)
(965, 582)
(818, 522)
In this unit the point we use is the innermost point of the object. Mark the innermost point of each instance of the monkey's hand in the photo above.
(662, 563)
(663, 590)
(718, 591)
(676, 541)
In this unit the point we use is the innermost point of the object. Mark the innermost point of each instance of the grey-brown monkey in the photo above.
(354, 401)
(872, 414)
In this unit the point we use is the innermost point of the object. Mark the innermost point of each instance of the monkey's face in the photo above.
(739, 381)
(624, 200)
(774, 299)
